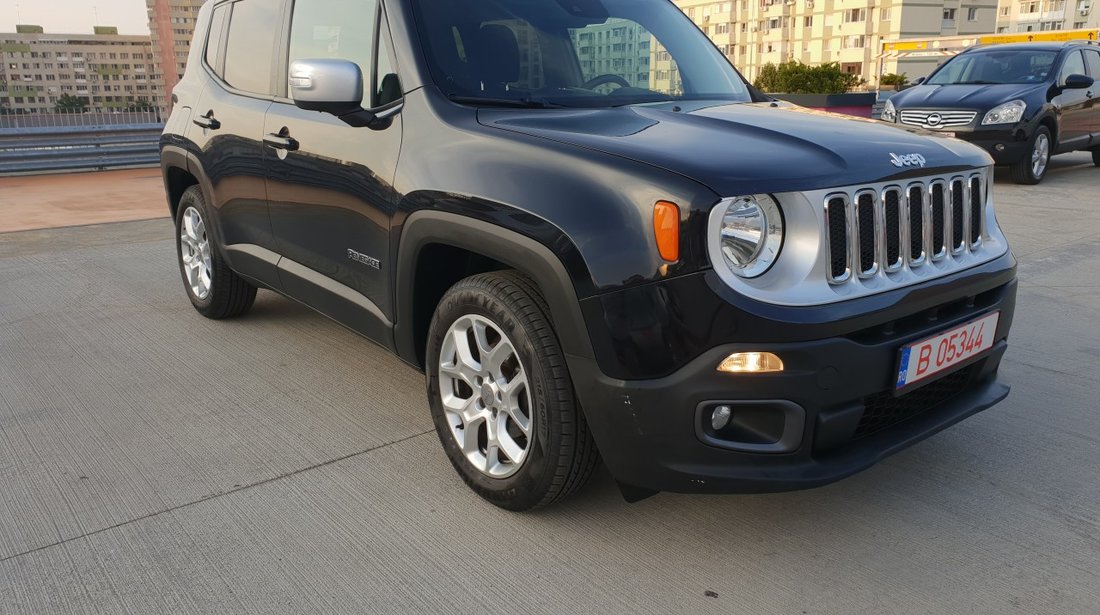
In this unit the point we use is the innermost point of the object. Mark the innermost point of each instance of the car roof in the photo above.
(1037, 46)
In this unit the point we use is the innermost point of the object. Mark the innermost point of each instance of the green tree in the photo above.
(68, 103)
(894, 79)
(794, 77)
(141, 105)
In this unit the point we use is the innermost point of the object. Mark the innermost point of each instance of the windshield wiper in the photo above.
(521, 103)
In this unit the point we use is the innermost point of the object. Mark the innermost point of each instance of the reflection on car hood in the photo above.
(978, 97)
(745, 148)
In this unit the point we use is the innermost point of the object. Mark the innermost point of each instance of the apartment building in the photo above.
(1047, 15)
(111, 71)
(753, 33)
(171, 25)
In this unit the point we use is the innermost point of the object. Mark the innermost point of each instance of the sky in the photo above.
(75, 16)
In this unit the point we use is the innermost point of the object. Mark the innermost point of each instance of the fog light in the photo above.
(720, 417)
(1000, 147)
(751, 363)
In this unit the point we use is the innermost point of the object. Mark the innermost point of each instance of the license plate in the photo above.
(928, 357)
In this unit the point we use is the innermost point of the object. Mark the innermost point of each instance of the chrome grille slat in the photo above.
(948, 118)
(870, 233)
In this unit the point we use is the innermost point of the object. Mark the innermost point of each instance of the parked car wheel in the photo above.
(1031, 169)
(501, 396)
(215, 290)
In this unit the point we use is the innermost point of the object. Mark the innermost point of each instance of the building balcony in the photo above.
(1054, 15)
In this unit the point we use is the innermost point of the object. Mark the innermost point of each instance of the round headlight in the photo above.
(751, 234)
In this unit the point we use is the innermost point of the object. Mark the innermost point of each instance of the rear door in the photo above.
(1092, 60)
(331, 195)
(227, 128)
(1074, 131)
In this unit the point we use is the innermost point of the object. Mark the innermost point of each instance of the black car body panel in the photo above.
(740, 148)
(370, 225)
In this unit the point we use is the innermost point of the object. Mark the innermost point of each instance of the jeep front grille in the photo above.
(946, 119)
(934, 219)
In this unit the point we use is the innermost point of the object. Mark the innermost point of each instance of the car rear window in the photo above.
(250, 50)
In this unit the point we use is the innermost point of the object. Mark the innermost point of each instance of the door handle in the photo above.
(207, 121)
(281, 140)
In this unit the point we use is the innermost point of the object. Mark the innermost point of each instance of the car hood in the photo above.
(744, 148)
(979, 97)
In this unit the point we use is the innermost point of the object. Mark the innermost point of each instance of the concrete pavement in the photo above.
(153, 461)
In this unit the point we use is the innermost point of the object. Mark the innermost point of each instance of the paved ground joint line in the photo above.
(216, 496)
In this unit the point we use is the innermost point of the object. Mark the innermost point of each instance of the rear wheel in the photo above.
(1031, 169)
(501, 396)
(215, 290)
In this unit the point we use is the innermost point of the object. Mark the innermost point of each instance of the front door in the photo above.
(1073, 106)
(1092, 60)
(330, 193)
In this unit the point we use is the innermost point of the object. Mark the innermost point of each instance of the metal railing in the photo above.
(57, 142)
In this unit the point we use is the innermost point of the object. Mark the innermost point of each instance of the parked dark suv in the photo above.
(1021, 103)
(593, 237)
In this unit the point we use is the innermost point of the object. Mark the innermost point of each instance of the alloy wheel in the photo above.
(486, 397)
(195, 254)
(1040, 155)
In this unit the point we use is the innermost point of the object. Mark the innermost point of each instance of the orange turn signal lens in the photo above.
(666, 228)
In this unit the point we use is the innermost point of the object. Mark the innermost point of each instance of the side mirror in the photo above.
(1078, 82)
(334, 87)
(919, 80)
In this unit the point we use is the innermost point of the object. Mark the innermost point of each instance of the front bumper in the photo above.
(1005, 145)
(652, 433)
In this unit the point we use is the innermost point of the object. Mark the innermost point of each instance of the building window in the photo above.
(1005, 11)
(949, 17)
(972, 14)
(855, 15)
(808, 21)
(1029, 7)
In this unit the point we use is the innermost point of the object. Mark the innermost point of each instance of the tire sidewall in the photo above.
(530, 481)
(193, 198)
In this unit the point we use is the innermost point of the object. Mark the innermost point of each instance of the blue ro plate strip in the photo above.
(904, 367)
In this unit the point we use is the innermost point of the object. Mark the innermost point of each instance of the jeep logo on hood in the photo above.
(907, 160)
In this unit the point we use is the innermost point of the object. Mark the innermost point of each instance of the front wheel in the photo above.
(1033, 167)
(501, 396)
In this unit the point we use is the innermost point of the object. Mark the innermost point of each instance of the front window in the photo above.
(573, 53)
(994, 67)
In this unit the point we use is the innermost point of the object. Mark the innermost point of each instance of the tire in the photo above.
(1028, 171)
(215, 290)
(520, 376)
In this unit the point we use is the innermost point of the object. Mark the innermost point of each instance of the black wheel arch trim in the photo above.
(524, 254)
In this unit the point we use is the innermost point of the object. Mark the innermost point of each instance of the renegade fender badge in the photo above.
(907, 160)
(369, 261)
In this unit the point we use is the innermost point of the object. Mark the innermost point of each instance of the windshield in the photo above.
(994, 67)
(571, 53)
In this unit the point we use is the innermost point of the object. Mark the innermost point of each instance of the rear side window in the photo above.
(1093, 57)
(335, 29)
(1074, 65)
(250, 50)
(214, 40)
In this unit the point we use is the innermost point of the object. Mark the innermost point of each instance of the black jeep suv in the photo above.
(1022, 103)
(592, 236)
